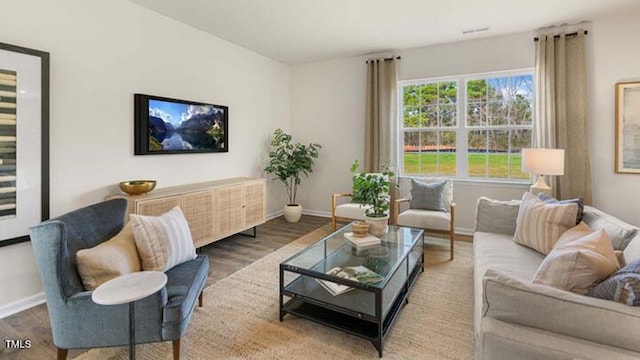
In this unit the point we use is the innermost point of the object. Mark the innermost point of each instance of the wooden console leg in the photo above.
(176, 349)
(200, 298)
(62, 354)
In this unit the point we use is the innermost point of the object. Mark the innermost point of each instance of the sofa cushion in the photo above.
(511, 300)
(496, 216)
(578, 265)
(620, 233)
(631, 252)
(506, 341)
(184, 283)
(578, 201)
(163, 241)
(623, 286)
(428, 196)
(110, 259)
(539, 225)
(499, 252)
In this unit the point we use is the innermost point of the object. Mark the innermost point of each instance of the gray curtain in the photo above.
(562, 119)
(381, 133)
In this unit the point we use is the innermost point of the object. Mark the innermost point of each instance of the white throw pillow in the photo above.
(163, 241)
(539, 225)
(579, 264)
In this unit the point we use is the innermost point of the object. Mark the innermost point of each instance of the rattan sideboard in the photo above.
(214, 209)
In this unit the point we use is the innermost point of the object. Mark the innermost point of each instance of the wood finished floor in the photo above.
(226, 257)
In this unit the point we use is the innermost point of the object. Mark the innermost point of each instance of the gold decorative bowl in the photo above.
(137, 187)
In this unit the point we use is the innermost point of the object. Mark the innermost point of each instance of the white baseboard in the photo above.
(274, 214)
(22, 304)
(464, 231)
(326, 214)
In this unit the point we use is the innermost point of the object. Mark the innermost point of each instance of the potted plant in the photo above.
(372, 190)
(288, 162)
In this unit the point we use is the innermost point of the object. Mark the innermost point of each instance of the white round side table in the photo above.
(128, 289)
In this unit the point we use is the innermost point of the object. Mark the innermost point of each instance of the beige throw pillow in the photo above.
(578, 265)
(110, 259)
(163, 241)
(575, 233)
(539, 225)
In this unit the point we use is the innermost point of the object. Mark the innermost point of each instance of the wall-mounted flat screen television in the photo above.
(172, 126)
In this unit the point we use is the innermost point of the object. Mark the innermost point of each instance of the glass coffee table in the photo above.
(368, 310)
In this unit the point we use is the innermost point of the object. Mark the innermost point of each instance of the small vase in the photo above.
(292, 212)
(360, 228)
(378, 226)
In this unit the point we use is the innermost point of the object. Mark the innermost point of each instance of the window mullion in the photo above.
(461, 133)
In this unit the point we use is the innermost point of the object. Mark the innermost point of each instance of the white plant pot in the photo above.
(292, 213)
(378, 226)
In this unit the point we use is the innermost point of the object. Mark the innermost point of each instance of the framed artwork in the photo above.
(627, 155)
(24, 141)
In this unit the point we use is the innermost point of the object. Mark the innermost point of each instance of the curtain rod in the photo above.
(385, 59)
(558, 36)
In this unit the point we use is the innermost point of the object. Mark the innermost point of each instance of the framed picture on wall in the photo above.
(627, 155)
(24, 141)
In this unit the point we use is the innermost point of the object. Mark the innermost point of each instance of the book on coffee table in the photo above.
(355, 273)
(366, 241)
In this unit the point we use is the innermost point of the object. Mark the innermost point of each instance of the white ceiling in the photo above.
(301, 31)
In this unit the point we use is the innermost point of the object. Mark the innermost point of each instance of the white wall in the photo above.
(102, 53)
(327, 107)
(616, 50)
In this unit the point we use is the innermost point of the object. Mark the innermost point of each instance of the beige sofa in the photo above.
(516, 319)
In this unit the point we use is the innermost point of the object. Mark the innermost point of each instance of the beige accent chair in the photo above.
(431, 221)
(346, 212)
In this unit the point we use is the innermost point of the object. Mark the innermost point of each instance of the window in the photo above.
(467, 127)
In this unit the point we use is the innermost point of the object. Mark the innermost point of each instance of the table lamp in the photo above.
(541, 162)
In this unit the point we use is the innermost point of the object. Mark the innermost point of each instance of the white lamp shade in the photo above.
(541, 161)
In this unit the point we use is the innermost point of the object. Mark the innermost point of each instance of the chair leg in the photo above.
(333, 222)
(200, 298)
(62, 354)
(451, 237)
(176, 349)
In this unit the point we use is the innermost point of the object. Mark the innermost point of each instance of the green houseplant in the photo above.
(373, 191)
(288, 161)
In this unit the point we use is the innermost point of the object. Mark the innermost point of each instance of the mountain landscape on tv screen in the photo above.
(200, 128)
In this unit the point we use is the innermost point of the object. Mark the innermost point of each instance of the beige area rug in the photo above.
(239, 319)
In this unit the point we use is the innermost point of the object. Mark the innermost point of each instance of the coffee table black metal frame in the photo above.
(307, 299)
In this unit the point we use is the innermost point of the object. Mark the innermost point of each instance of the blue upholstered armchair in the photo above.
(78, 322)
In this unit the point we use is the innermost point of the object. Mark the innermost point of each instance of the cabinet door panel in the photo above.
(159, 206)
(254, 210)
(198, 208)
(229, 209)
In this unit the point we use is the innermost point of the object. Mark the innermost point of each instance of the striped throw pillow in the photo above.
(539, 225)
(163, 241)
